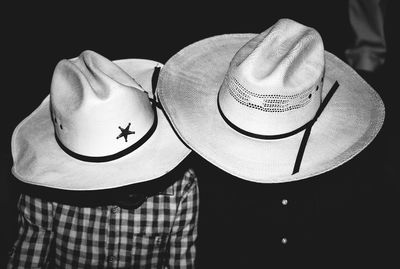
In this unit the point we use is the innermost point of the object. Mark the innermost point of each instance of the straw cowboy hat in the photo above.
(269, 108)
(99, 128)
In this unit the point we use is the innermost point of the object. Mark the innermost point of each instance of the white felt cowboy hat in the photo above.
(247, 102)
(99, 128)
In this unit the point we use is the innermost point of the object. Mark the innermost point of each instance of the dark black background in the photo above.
(35, 37)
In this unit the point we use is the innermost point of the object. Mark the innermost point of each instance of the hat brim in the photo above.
(188, 89)
(39, 160)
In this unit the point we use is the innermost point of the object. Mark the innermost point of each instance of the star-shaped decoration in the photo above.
(125, 132)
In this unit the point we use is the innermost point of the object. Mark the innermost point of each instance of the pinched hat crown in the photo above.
(97, 108)
(273, 83)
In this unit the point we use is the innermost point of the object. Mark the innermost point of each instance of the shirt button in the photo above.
(111, 258)
(284, 240)
(11, 251)
(115, 209)
(158, 240)
(284, 201)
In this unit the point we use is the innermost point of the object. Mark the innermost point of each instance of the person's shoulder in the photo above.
(187, 182)
(36, 210)
(31, 201)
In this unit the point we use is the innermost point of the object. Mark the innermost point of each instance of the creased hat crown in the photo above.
(273, 83)
(92, 101)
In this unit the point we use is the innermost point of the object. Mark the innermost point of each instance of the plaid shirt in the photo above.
(160, 233)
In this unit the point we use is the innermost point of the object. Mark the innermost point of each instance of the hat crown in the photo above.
(92, 101)
(288, 57)
(272, 83)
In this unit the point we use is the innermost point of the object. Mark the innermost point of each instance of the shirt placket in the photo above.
(114, 237)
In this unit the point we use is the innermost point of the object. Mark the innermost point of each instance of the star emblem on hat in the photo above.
(125, 132)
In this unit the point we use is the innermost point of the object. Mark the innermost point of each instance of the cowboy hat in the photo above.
(98, 128)
(269, 108)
